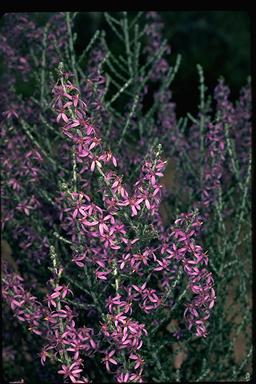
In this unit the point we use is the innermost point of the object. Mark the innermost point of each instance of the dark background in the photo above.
(218, 40)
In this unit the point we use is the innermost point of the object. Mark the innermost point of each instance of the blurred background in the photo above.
(218, 40)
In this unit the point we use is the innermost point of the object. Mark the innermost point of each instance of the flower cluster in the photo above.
(154, 36)
(193, 261)
(242, 127)
(54, 322)
(126, 335)
(23, 169)
(24, 305)
(111, 250)
(213, 162)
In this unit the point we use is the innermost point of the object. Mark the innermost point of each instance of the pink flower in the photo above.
(43, 355)
(80, 208)
(102, 275)
(139, 362)
(163, 265)
(15, 184)
(108, 156)
(25, 207)
(117, 186)
(176, 253)
(79, 259)
(10, 114)
(125, 258)
(109, 359)
(71, 371)
(113, 301)
(95, 162)
(134, 203)
(129, 243)
(62, 116)
(136, 377)
(141, 289)
(60, 292)
(123, 378)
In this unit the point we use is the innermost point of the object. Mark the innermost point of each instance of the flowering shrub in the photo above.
(116, 276)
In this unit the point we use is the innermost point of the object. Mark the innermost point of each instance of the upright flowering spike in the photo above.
(213, 163)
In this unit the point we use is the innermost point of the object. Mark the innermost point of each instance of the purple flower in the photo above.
(109, 359)
(139, 362)
(71, 371)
